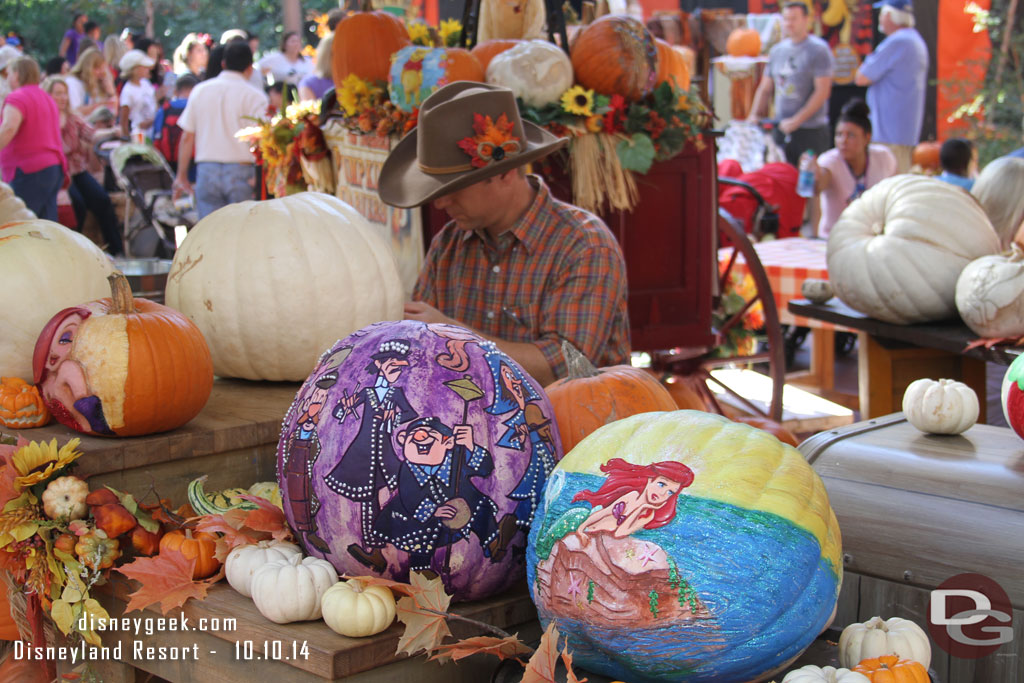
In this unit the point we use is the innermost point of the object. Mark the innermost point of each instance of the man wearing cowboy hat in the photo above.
(514, 264)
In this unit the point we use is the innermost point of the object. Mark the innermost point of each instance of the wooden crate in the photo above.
(917, 509)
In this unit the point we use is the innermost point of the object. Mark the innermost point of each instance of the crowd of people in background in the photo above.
(103, 85)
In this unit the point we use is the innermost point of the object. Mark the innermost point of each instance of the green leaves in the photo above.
(636, 153)
(144, 519)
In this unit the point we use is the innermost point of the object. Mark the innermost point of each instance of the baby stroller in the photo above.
(145, 177)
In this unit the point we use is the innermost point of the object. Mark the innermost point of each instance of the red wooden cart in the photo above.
(670, 241)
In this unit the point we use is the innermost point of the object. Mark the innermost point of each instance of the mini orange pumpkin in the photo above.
(590, 398)
(616, 55)
(122, 366)
(926, 155)
(892, 669)
(364, 42)
(200, 547)
(743, 42)
(21, 406)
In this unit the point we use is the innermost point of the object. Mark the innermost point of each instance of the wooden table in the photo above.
(233, 440)
(236, 654)
(893, 356)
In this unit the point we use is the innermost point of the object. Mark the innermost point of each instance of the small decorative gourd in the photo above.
(354, 610)
(990, 294)
(201, 547)
(944, 406)
(877, 637)
(65, 497)
(537, 71)
(827, 674)
(743, 42)
(892, 669)
(21, 406)
(291, 589)
(243, 561)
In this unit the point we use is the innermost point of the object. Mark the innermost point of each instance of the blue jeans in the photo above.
(39, 190)
(87, 194)
(220, 184)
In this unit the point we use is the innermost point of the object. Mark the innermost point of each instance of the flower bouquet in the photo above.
(292, 149)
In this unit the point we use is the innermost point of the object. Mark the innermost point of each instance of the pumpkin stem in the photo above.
(1016, 254)
(588, 13)
(603, 8)
(120, 294)
(579, 365)
(356, 586)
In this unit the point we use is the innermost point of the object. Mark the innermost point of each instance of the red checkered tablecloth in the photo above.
(787, 262)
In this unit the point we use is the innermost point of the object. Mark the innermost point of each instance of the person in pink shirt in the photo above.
(31, 150)
(843, 173)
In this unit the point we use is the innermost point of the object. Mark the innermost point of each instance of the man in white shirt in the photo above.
(216, 110)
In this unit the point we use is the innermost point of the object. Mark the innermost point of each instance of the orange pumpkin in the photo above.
(489, 49)
(122, 366)
(672, 66)
(461, 65)
(926, 155)
(683, 391)
(21, 406)
(770, 426)
(589, 398)
(892, 669)
(364, 42)
(743, 42)
(616, 55)
(200, 547)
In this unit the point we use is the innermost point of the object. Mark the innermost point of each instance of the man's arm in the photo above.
(10, 126)
(861, 80)
(185, 148)
(764, 90)
(819, 96)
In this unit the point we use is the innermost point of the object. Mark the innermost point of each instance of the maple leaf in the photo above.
(570, 675)
(396, 586)
(232, 525)
(424, 630)
(541, 667)
(267, 517)
(502, 648)
(165, 578)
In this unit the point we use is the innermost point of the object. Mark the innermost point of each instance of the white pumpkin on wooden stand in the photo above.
(990, 294)
(537, 71)
(272, 284)
(243, 561)
(827, 674)
(44, 268)
(877, 637)
(942, 406)
(291, 589)
(896, 252)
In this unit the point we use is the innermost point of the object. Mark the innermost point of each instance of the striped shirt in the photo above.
(557, 274)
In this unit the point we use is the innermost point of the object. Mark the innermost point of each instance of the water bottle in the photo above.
(805, 182)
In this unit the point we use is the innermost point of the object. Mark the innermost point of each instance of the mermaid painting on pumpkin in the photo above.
(63, 381)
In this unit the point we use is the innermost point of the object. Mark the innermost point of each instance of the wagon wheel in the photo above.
(697, 367)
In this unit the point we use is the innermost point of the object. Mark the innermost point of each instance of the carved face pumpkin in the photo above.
(21, 406)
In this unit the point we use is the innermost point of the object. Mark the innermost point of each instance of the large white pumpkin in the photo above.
(11, 206)
(990, 294)
(44, 268)
(896, 252)
(537, 71)
(272, 284)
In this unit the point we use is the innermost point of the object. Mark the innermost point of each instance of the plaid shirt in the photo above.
(557, 274)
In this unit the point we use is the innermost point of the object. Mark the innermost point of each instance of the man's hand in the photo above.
(181, 187)
(464, 437)
(788, 125)
(446, 511)
(425, 313)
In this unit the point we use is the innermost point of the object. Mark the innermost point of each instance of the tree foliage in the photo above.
(42, 23)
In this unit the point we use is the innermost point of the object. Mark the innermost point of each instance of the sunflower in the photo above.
(577, 100)
(36, 462)
(450, 32)
(354, 93)
(419, 34)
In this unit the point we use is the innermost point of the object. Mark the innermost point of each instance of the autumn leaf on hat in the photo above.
(493, 140)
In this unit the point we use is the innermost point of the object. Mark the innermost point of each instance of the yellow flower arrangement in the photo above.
(36, 462)
(419, 33)
(450, 31)
(357, 95)
(578, 100)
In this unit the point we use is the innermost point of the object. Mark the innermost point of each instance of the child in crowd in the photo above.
(138, 96)
(956, 157)
(166, 132)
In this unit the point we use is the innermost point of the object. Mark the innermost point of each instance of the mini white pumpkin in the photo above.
(272, 284)
(990, 294)
(877, 637)
(290, 590)
(828, 674)
(537, 71)
(244, 560)
(942, 406)
(896, 252)
(65, 497)
(354, 610)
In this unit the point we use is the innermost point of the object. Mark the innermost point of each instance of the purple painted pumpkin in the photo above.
(416, 447)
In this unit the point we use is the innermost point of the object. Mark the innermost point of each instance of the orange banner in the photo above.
(961, 60)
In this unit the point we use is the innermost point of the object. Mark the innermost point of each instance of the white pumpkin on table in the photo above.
(942, 406)
(896, 252)
(243, 561)
(272, 284)
(291, 589)
(537, 71)
(351, 608)
(990, 294)
(877, 637)
(827, 674)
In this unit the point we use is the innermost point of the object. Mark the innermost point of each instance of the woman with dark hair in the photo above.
(72, 37)
(288, 65)
(843, 173)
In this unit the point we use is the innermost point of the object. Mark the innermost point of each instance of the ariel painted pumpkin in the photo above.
(684, 547)
(122, 366)
(418, 447)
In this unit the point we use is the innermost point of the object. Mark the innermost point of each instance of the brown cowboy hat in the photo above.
(467, 132)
